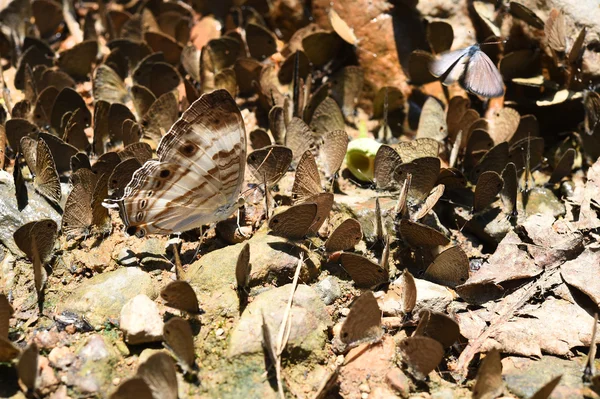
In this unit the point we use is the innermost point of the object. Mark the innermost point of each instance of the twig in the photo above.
(507, 309)
(285, 328)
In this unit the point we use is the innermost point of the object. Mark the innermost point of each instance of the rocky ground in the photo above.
(511, 307)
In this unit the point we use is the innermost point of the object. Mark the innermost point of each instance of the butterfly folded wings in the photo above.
(472, 68)
(199, 173)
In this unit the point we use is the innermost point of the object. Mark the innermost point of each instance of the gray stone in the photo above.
(542, 200)
(104, 295)
(11, 218)
(127, 257)
(152, 254)
(525, 376)
(140, 321)
(95, 349)
(273, 259)
(329, 289)
(309, 321)
(93, 367)
(432, 296)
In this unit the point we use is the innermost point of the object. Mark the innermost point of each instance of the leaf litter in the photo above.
(455, 249)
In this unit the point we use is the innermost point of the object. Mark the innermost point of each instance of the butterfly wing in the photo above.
(198, 177)
(46, 180)
(482, 77)
(451, 64)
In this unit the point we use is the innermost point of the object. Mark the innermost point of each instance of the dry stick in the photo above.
(509, 306)
(285, 328)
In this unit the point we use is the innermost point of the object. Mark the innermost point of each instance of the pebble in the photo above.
(399, 382)
(329, 290)
(61, 357)
(140, 321)
(219, 332)
(127, 257)
(95, 349)
(46, 339)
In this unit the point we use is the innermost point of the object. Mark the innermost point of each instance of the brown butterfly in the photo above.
(364, 272)
(40, 161)
(421, 354)
(294, 222)
(449, 268)
(243, 269)
(438, 326)
(345, 236)
(180, 295)
(269, 163)
(159, 372)
(363, 323)
(420, 235)
(489, 381)
(132, 387)
(28, 367)
(179, 338)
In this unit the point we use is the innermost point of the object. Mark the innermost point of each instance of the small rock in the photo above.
(11, 218)
(93, 367)
(104, 295)
(432, 296)
(61, 357)
(95, 349)
(60, 393)
(364, 388)
(127, 257)
(219, 332)
(140, 321)
(152, 254)
(87, 384)
(309, 321)
(382, 392)
(47, 378)
(443, 394)
(122, 348)
(46, 339)
(272, 258)
(329, 289)
(398, 381)
(542, 200)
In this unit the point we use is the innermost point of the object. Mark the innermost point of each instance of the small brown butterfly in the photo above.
(159, 372)
(41, 163)
(345, 236)
(363, 323)
(179, 338)
(421, 354)
(449, 268)
(489, 381)
(365, 273)
(180, 295)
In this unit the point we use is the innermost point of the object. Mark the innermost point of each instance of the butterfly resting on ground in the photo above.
(199, 173)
